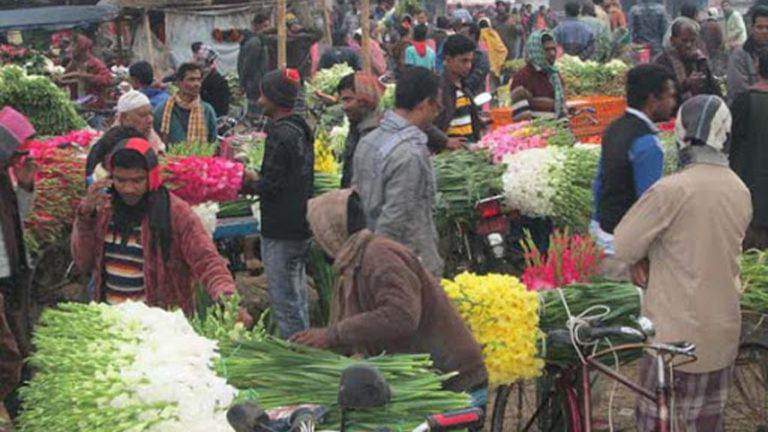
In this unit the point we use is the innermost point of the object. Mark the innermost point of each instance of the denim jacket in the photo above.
(395, 179)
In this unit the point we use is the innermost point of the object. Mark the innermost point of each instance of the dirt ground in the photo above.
(740, 416)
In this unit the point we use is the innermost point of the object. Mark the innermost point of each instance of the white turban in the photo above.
(132, 100)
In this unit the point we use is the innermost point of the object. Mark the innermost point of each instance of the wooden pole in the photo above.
(119, 36)
(150, 48)
(327, 18)
(282, 36)
(365, 21)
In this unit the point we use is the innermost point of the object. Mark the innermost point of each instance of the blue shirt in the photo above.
(412, 58)
(575, 37)
(156, 96)
(647, 158)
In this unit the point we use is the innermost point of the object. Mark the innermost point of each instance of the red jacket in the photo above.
(168, 284)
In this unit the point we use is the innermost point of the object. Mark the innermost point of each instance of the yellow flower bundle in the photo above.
(504, 318)
(325, 162)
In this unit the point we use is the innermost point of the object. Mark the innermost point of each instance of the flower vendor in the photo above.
(135, 110)
(537, 89)
(693, 288)
(139, 241)
(185, 117)
(360, 93)
(688, 64)
(386, 300)
(284, 186)
(87, 71)
(631, 157)
(742, 65)
(394, 173)
(459, 119)
(15, 203)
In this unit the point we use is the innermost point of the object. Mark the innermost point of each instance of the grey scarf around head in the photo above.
(702, 129)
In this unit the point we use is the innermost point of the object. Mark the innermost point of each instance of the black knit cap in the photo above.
(281, 87)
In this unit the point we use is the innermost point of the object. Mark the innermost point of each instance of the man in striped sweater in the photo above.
(141, 242)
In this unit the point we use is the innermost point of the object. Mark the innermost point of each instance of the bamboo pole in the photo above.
(365, 21)
(282, 36)
(150, 48)
(327, 18)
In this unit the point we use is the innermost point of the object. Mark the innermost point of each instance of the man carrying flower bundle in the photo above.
(284, 186)
(15, 203)
(359, 93)
(185, 117)
(387, 301)
(631, 157)
(139, 241)
(690, 225)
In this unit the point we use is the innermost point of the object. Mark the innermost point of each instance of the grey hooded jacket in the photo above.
(395, 179)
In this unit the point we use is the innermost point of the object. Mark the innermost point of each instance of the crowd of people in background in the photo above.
(138, 241)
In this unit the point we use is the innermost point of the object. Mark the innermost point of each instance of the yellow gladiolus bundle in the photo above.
(504, 318)
(325, 162)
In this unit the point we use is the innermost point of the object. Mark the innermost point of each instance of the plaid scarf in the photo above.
(197, 131)
(534, 49)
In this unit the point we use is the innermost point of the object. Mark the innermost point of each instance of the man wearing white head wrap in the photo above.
(135, 110)
(684, 239)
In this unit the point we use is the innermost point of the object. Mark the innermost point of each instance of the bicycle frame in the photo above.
(580, 413)
(660, 397)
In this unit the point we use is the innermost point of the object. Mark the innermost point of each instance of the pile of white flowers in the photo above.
(123, 368)
(207, 213)
(527, 182)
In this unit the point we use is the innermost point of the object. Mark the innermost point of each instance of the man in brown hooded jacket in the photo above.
(386, 301)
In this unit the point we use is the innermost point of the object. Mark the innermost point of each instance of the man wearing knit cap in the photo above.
(134, 109)
(15, 202)
(284, 186)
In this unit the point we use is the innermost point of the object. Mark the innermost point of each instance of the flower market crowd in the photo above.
(679, 237)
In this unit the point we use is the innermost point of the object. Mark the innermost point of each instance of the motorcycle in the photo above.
(361, 387)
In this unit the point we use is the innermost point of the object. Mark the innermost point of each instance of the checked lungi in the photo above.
(699, 398)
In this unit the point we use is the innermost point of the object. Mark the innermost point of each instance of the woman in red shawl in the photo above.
(87, 72)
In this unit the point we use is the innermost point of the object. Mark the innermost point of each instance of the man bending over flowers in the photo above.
(386, 301)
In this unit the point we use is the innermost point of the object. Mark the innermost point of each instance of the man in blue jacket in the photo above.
(631, 157)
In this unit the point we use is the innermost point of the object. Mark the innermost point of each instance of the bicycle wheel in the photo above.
(747, 407)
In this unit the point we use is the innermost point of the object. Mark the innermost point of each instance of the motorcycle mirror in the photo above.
(246, 417)
(482, 99)
(363, 386)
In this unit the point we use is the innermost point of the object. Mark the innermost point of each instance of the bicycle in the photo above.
(748, 400)
(568, 401)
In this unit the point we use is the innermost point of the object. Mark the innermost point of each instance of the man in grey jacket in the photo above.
(393, 171)
(252, 62)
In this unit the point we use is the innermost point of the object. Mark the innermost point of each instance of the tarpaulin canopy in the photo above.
(55, 17)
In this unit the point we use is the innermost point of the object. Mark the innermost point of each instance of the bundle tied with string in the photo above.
(609, 304)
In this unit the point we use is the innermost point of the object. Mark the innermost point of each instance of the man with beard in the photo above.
(141, 242)
(688, 64)
(742, 67)
(359, 93)
(284, 186)
(15, 202)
